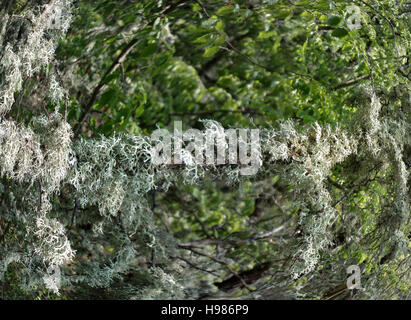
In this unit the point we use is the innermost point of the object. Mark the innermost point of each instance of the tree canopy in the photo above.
(86, 213)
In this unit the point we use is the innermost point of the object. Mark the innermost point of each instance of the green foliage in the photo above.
(80, 195)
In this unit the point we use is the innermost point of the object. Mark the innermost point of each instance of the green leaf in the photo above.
(282, 13)
(219, 26)
(339, 33)
(226, 10)
(209, 22)
(111, 40)
(209, 52)
(108, 97)
(333, 21)
(203, 39)
(266, 35)
(111, 77)
(148, 50)
(161, 59)
(220, 40)
(139, 111)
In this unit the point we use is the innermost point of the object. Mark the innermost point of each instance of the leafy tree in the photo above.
(84, 211)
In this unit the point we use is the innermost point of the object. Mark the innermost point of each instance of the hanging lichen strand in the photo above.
(44, 172)
(37, 160)
(29, 42)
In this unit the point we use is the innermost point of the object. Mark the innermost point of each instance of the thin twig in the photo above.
(223, 263)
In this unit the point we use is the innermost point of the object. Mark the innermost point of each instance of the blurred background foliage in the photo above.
(133, 66)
